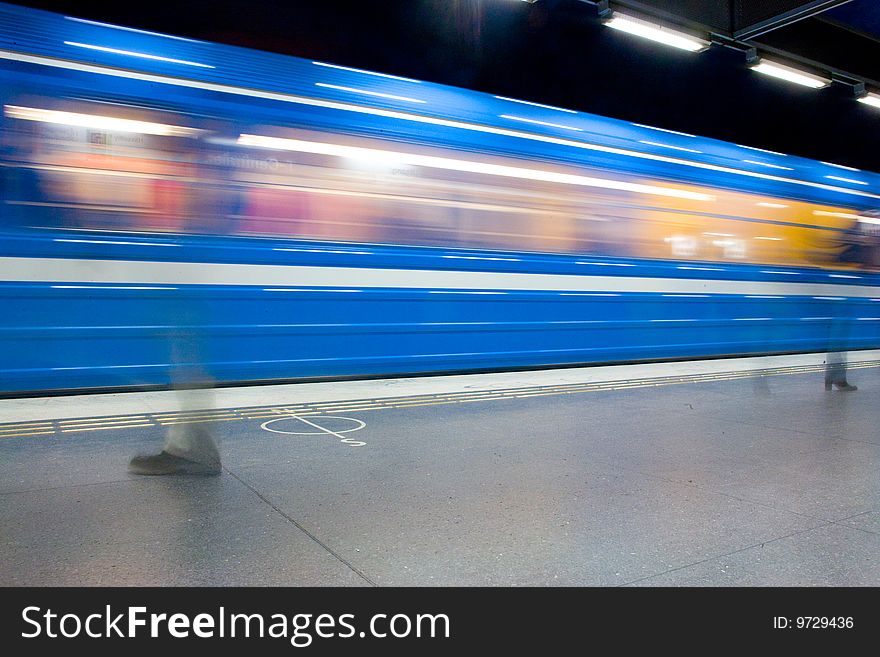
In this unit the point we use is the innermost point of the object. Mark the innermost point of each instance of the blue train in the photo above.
(174, 209)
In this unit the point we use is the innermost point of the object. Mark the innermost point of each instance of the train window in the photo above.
(89, 165)
(94, 165)
(449, 202)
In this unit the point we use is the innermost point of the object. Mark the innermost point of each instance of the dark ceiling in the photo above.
(835, 35)
(857, 15)
(558, 52)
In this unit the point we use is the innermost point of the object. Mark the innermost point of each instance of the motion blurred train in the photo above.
(172, 206)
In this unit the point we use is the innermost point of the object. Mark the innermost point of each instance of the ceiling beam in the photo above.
(799, 12)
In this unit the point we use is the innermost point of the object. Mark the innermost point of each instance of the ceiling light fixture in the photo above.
(791, 74)
(656, 32)
(870, 99)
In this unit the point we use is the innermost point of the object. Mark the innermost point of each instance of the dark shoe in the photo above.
(164, 463)
(841, 385)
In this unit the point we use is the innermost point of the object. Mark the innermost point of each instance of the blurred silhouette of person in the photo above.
(189, 448)
(835, 362)
(860, 248)
(212, 205)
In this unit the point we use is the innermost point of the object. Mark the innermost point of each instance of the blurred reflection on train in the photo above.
(307, 185)
(325, 238)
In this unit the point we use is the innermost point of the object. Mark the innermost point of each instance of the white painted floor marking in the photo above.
(359, 424)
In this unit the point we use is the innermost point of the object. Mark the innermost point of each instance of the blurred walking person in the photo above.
(860, 248)
(210, 205)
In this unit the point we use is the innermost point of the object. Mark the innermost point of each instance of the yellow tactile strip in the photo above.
(106, 423)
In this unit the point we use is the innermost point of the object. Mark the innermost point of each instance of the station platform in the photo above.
(729, 472)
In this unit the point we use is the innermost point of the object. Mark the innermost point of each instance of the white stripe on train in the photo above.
(136, 272)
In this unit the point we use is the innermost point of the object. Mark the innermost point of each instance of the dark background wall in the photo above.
(553, 51)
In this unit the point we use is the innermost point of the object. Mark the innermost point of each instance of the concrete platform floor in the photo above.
(688, 474)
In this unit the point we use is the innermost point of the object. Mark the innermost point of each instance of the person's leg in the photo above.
(835, 370)
(193, 442)
(835, 362)
(189, 448)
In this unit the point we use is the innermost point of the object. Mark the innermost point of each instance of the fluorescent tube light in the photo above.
(791, 75)
(870, 99)
(656, 32)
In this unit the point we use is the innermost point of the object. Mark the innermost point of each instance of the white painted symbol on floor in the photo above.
(315, 426)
